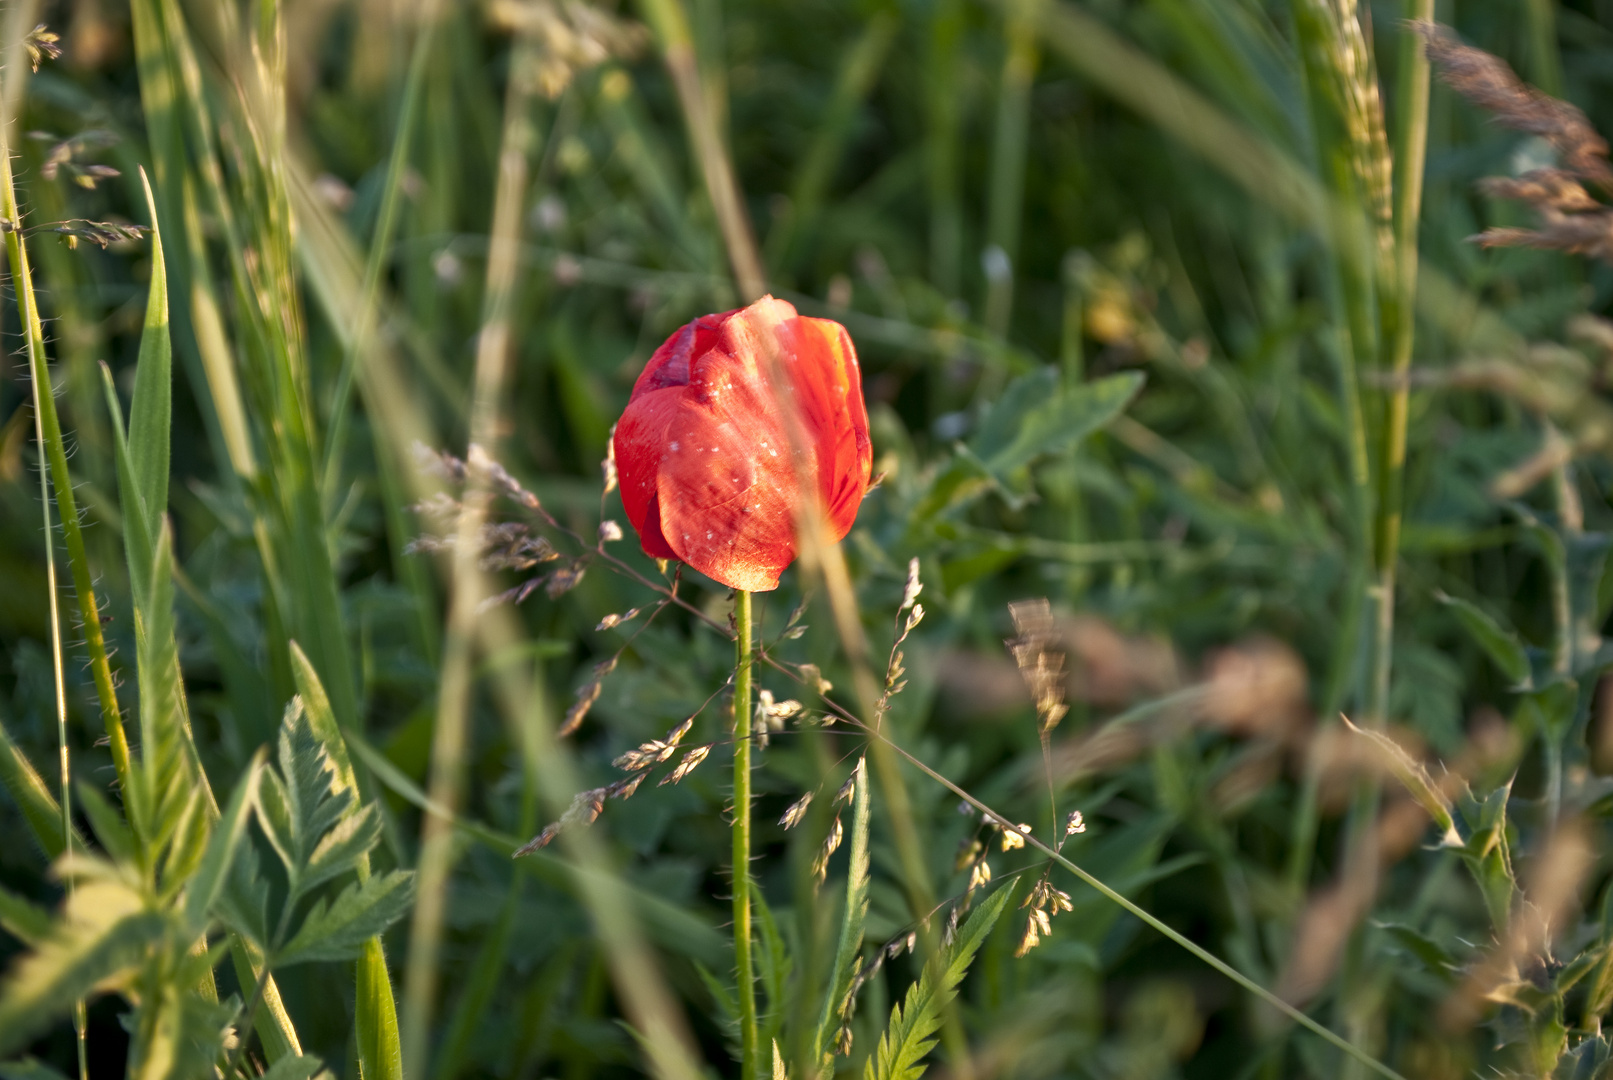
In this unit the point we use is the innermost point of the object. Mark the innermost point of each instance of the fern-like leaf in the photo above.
(913, 1024)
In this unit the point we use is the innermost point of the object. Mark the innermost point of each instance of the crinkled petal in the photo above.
(735, 418)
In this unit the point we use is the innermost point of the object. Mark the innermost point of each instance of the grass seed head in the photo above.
(796, 812)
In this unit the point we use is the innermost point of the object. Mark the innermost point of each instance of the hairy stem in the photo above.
(53, 452)
(746, 974)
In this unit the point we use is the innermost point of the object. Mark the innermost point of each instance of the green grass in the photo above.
(1136, 289)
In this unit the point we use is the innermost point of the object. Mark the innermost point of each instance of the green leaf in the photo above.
(342, 848)
(228, 833)
(293, 1067)
(315, 799)
(852, 919)
(274, 815)
(105, 931)
(107, 824)
(242, 903)
(1038, 414)
(27, 788)
(22, 918)
(375, 1017)
(773, 967)
(1436, 959)
(167, 779)
(178, 1034)
(322, 718)
(151, 410)
(913, 1024)
(1487, 853)
(1499, 643)
(137, 542)
(337, 930)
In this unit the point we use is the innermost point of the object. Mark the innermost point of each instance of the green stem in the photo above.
(49, 430)
(1411, 149)
(746, 974)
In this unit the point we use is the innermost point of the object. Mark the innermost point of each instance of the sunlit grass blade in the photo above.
(670, 21)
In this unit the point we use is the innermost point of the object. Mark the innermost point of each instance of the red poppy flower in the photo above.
(740, 422)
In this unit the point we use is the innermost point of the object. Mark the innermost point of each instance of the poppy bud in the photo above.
(739, 423)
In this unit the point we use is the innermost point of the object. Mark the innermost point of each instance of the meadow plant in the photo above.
(1170, 648)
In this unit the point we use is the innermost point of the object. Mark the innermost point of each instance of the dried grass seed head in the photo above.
(796, 812)
(1489, 83)
(690, 762)
(910, 592)
(1040, 662)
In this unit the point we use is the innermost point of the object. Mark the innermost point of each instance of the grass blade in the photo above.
(151, 411)
(39, 807)
(852, 919)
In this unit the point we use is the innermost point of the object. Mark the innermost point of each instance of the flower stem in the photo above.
(746, 975)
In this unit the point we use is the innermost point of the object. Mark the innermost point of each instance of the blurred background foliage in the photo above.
(1002, 202)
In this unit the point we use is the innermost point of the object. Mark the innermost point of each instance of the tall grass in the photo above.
(1158, 319)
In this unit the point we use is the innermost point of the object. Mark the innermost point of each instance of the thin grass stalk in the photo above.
(943, 108)
(1411, 150)
(437, 845)
(745, 970)
(1142, 914)
(1007, 186)
(671, 25)
(380, 245)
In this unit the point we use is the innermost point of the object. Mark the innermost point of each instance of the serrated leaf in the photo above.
(28, 790)
(1487, 853)
(315, 799)
(228, 834)
(322, 718)
(1499, 643)
(341, 849)
(104, 933)
(337, 930)
(911, 1033)
(275, 817)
